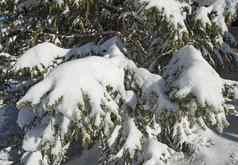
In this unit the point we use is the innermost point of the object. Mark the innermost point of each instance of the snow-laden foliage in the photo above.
(188, 73)
(130, 113)
(172, 10)
(64, 107)
(151, 30)
(106, 104)
(190, 80)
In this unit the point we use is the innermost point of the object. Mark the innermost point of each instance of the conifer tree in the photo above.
(139, 92)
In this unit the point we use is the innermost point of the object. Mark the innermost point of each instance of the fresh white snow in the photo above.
(190, 73)
(172, 10)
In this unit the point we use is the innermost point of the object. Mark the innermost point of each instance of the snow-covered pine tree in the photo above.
(108, 105)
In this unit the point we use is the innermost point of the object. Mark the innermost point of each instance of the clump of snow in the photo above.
(42, 55)
(32, 158)
(190, 73)
(153, 91)
(191, 83)
(6, 162)
(172, 9)
(133, 139)
(202, 14)
(47, 54)
(220, 7)
(156, 152)
(75, 80)
(5, 156)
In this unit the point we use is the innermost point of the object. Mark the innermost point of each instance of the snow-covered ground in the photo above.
(215, 149)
